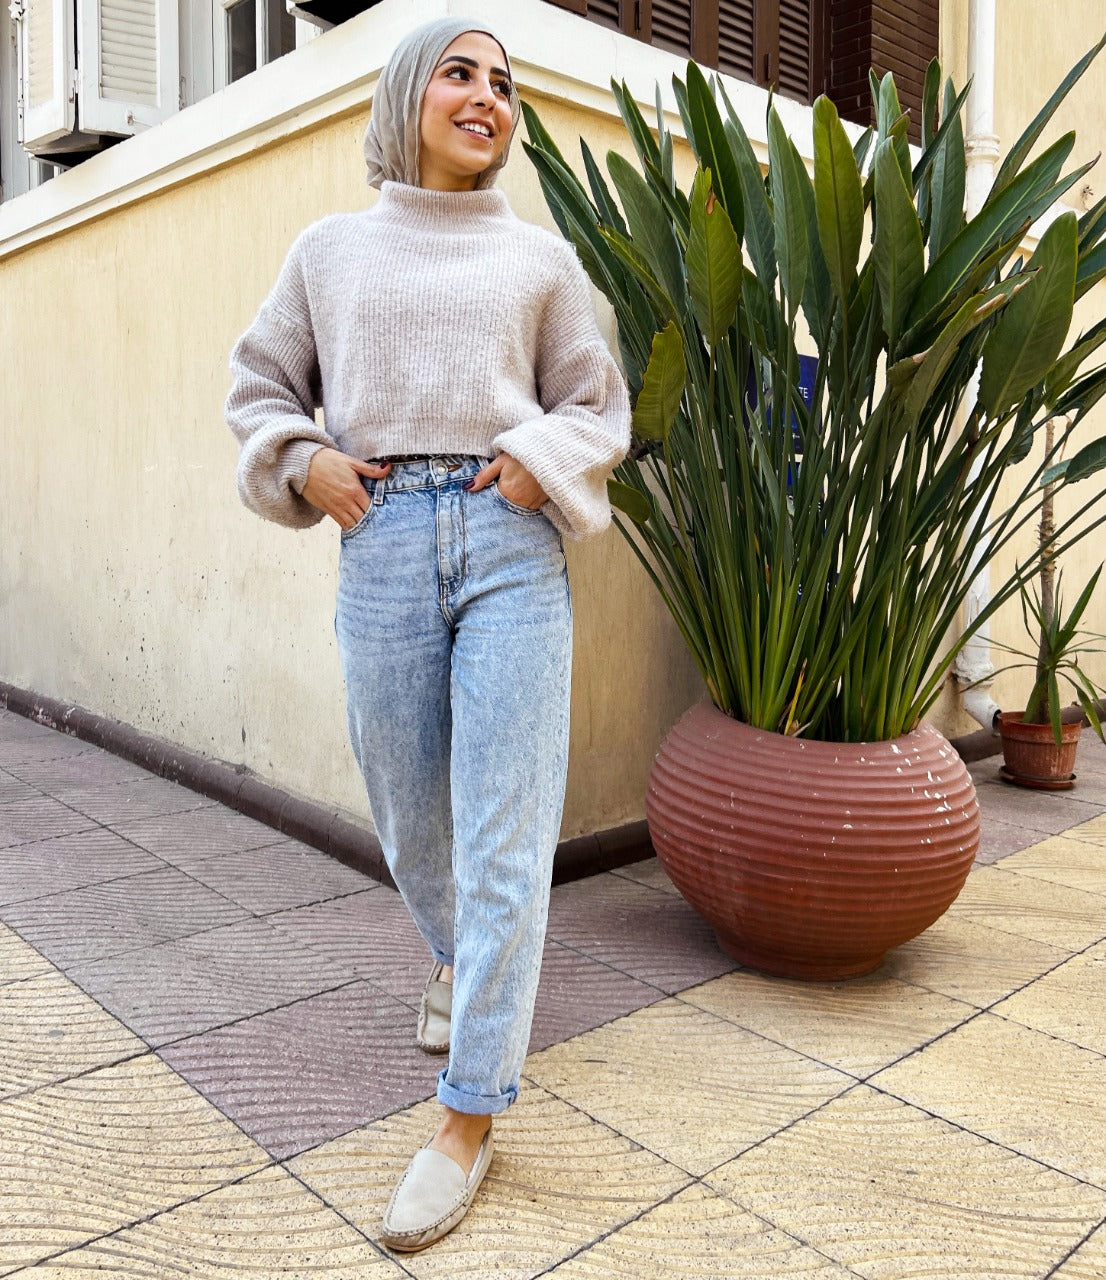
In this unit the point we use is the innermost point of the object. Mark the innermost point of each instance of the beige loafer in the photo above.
(431, 1198)
(432, 1033)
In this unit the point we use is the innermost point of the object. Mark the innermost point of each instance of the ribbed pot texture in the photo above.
(1030, 753)
(810, 859)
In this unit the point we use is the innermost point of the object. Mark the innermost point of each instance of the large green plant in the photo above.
(811, 547)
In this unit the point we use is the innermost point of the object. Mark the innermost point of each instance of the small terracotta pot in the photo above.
(811, 859)
(1031, 757)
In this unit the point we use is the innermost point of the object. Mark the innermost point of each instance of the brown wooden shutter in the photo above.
(737, 38)
(796, 25)
(670, 21)
(605, 12)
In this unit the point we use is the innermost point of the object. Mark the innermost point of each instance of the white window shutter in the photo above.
(129, 64)
(46, 65)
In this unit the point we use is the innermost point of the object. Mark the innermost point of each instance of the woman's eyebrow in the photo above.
(471, 62)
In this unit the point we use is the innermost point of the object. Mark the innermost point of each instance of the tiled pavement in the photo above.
(207, 1068)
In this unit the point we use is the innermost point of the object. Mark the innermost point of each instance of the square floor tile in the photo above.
(1040, 1096)
(188, 839)
(145, 797)
(77, 772)
(175, 989)
(19, 960)
(857, 1026)
(652, 936)
(648, 872)
(1067, 1003)
(557, 1181)
(36, 742)
(896, 1194)
(47, 867)
(11, 788)
(577, 993)
(998, 839)
(970, 961)
(1071, 859)
(279, 877)
(22, 821)
(371, 933)
(300, 1075)
(50, 1030)
(1033, 908)
(92, 1154)
(267, 1225)
(698, 1235)
(690, 1086)
(108, 919)
(1088, 1262)
(1093, 831)
(1041, 811)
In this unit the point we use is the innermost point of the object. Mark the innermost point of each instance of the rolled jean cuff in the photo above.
(473, 1104)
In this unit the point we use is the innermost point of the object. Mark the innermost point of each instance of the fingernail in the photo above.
(469, 483)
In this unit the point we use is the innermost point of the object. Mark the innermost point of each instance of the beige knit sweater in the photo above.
(436, 322)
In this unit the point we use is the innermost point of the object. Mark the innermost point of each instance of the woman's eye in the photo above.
(505, 88)
(458, 71)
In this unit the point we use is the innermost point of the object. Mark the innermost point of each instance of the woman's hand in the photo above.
(334, 485)
(515, 483)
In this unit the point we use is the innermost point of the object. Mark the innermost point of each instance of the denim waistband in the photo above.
(429, 472)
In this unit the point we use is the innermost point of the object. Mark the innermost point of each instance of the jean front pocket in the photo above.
(366, 516)
(528, 512)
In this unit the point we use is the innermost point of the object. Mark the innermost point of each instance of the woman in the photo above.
(472, 415)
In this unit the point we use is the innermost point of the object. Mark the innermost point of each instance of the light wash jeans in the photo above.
(455, 631)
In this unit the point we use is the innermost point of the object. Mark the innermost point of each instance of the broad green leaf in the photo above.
(838, 198)
(760, 232)
(658, 401)
(892, 123)
(649, 225)
(792, 247)
(601, 193)
(1092, 225)
(1083, 395)
(946, 200)
(930, 89)
(1030, 334)
(1089, 460)
(1024, 430)
(713, 262)
(630, 500)
(897, 243)
(991, 225)
(1092, 267)
(640, 134)
(1064, 371)
(712, 147)
(1017, 154)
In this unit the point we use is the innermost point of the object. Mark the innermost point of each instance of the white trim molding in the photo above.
(553, 54)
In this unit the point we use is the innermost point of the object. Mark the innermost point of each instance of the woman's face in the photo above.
(466, 114)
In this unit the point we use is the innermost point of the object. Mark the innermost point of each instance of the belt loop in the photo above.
(378, 491)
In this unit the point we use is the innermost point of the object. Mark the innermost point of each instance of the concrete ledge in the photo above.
(326, 829)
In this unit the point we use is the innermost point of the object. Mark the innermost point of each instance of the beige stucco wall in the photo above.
(133, 583)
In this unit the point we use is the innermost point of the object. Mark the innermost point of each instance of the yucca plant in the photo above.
(810, 540)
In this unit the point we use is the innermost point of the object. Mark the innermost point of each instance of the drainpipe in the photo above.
(973, 664)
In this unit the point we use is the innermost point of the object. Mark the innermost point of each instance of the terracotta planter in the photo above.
(811, 859)
(1032, 758)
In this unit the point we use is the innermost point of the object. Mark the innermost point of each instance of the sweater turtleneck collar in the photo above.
(443, 210)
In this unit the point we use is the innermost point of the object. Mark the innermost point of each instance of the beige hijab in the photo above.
(392, 136)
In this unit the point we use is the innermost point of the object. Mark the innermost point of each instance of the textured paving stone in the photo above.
(22, 740)
(1032, 908)
(648, 872)
(192, 984)
(685, 1084)
(145, 797)
(106, 920)
(267, 1225)
(969, 961)
(895, 1194)
(557, 1181)
(50, 1030)
(371, 933)
(1067, 1003)
(1026, 1090)
(1076, 859)
(647, 934)
(37, 819)
(90, 1155)
(856, 1027)
(19, 960)
(698, 1235)
(188, 839)
(279, 877)
(300, 1075)
(11, 788)
(998, 839)
(1088, 1262)
(78, 771)
(577, 993)
(1036, 811)
(46, 867)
